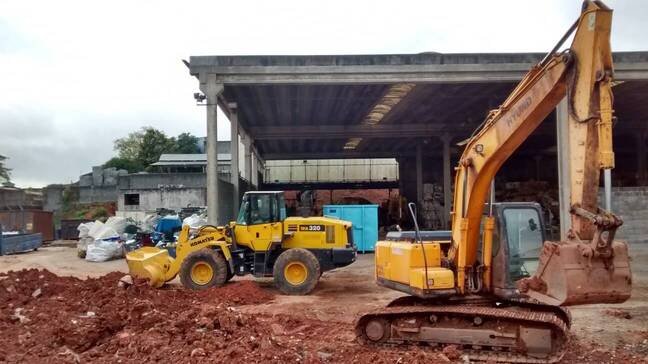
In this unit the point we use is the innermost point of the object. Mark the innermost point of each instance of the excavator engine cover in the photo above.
(569, 273)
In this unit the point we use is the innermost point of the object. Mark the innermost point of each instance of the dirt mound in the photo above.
(46, 319)
(49, 319)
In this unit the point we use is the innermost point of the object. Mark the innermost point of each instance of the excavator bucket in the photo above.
(149, 263)
(568, 274)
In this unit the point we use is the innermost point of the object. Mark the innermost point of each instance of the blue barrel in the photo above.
(365, 223)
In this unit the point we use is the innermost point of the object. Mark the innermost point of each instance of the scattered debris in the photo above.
(18, 316)
(619, 313)
(125, 281)
(451, 352)
(198, 352)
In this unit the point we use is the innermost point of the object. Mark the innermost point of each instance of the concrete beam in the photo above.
(344, 131)
(332, 155)
(308, 70)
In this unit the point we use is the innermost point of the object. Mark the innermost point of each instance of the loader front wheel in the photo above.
(202, 269)
(296, 272)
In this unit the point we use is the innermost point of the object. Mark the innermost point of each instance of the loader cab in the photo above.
(517, 243)
(262, 207)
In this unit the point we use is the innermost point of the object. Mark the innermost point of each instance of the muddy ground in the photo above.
(48, 314)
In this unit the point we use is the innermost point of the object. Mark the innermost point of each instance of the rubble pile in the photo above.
(45, 318)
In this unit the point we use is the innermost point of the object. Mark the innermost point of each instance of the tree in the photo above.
(141, 148)
(154, 143)
(186, 143)
(132, 166)
(129, 147)
(5, 175)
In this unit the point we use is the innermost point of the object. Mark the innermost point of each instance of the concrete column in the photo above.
(564, 182)
(211, 91)
(419, 175)
(247, 157)
(234, 152)
(642, 173)
(447, 181)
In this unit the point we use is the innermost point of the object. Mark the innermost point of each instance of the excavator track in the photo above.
(484, 331)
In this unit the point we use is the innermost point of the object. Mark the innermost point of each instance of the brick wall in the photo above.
(631, 204)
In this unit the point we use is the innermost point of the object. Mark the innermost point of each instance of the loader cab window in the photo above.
(243, 211)
(525, 239)
(260, 209)
(282, 207)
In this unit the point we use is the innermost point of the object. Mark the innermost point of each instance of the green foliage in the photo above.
(138, 150)
(99, 212)
(69, 199)
(129, 147)
(5, 176)
(132, 166)
(186, 143)
(154, 143)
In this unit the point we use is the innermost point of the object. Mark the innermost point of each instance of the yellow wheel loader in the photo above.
(262, 242)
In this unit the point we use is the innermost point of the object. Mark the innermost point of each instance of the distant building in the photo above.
(14, 198)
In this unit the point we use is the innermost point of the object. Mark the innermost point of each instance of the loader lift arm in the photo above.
(583, 74)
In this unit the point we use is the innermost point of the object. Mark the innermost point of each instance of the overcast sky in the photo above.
(74, 76)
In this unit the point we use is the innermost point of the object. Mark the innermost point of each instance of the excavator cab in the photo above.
(517, 243)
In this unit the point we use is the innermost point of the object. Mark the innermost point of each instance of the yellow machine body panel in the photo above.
(306, 232)
(438, 278)
(294, 232)
(402, 262)
(258, 237)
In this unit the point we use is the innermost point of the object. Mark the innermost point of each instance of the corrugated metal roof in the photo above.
(190, 159)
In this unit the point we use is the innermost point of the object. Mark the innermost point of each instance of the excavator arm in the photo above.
(582, 74)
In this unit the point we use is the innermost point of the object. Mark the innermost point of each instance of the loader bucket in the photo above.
(566, 276)
(149, 263)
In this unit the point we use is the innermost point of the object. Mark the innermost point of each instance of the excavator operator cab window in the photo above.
(525, 238)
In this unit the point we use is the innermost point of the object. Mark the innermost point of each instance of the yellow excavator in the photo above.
(262, 242)
(492, 285)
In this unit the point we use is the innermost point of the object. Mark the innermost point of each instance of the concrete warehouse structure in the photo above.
(412, 107)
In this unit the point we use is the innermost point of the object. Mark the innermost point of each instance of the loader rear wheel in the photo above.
(202, 269)
(296, 272)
